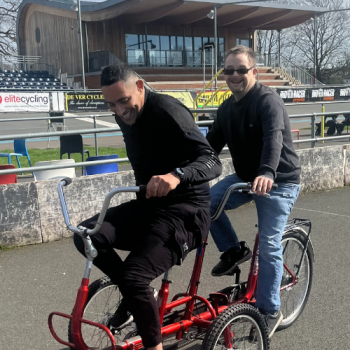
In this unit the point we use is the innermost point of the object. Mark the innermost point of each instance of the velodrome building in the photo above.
(165, 38)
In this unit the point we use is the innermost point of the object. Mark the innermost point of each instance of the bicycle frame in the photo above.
(202, 320)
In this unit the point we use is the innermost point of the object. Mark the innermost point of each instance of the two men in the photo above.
(254, 124)
(169, 154)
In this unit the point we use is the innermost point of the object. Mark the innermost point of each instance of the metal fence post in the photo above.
(313, 129)
(96, 142)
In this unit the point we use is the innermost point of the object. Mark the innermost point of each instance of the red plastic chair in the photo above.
(8, 178)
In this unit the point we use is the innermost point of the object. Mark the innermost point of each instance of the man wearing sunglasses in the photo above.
(254, 124)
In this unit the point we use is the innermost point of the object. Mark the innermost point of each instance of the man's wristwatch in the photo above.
(178, 173)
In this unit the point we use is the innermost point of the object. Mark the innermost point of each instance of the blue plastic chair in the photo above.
(204, 130)
(102, 168)
(20, 150)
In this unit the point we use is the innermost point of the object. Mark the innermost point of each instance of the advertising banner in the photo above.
(84, 101)
(314, 94)
(208, 96)
(184, 97)
(24, 102)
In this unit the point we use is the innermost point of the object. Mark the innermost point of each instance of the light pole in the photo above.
(213, 15)
(76, 7)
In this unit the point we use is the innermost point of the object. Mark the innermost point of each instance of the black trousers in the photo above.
(149, 232)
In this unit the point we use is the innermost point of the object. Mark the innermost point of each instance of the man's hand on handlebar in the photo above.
(262, 185)
(161, 185)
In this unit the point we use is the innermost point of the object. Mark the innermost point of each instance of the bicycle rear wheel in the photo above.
(244, 326)
(103, 300)
(295, 297)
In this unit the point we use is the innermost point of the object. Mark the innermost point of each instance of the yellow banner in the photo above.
(184, 97)
(220, 97)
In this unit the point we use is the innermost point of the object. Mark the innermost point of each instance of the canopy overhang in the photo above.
(251, 15)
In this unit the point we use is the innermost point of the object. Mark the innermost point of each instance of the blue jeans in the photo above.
(273, 214)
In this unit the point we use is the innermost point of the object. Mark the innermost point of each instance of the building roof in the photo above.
(252, 15)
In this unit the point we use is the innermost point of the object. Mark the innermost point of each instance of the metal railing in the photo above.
(169, 58)
(290, 69)
(95, 131)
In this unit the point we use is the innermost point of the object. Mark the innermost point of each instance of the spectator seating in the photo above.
(72, 144)
(40, 175)
(8, 178)
(20, 150)
(102, 168)
(18, 80)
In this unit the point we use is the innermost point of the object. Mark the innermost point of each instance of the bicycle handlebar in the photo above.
(80, 230)
(239, 187)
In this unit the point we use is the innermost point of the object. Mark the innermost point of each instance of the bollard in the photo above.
(322, 122)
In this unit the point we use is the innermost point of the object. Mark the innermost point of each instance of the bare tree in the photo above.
(331, 32)
(8, 14)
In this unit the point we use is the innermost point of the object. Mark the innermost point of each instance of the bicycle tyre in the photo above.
(293, 243)
(235, 315)
(104, 297)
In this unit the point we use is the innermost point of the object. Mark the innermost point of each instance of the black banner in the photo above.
(314, 94)
(85, 101)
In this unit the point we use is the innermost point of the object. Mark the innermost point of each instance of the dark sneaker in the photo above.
(273, 321)
(121, 318)
(230, 259)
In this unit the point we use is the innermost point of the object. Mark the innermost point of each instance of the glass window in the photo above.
(197, 44)
(164, 43)
(153, 42)
(188, 43)
(244, 42)
(132, 41)
(173, 43)
(180, 43)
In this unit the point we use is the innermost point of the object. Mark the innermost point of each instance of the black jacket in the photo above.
(257, 132)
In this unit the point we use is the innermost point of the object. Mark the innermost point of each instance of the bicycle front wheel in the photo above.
(103, 300)
(240, 327)
(295, 297)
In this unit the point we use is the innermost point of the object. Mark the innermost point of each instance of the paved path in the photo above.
(36, 280)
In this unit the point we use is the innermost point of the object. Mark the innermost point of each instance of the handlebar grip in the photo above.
(274, 187)
(67, 181)
(143, 188)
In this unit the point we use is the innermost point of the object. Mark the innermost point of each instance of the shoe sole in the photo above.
(276, 326)
(230, 270)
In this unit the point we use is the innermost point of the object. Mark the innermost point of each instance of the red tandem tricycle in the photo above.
(227, 319)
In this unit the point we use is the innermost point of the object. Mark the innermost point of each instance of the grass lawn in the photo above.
(37, 155)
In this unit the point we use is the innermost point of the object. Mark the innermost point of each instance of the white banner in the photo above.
(24, 102)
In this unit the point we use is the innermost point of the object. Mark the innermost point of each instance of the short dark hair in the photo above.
(113, 74)
(243, 49)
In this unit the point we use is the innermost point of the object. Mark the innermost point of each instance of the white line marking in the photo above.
(99, 122)
(322, 212)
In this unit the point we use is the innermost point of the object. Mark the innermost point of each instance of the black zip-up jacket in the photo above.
(165, 137)
(257, 132)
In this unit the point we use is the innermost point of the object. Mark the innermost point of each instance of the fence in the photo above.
(276, 60)
(96, 131)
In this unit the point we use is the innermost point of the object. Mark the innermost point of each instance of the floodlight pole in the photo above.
(81, 47)
(215, 47)
(216, 29)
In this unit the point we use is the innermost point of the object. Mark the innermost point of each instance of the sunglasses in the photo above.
(241, 71)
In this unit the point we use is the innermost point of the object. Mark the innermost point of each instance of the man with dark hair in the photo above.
(254, 124)
(169, 154)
